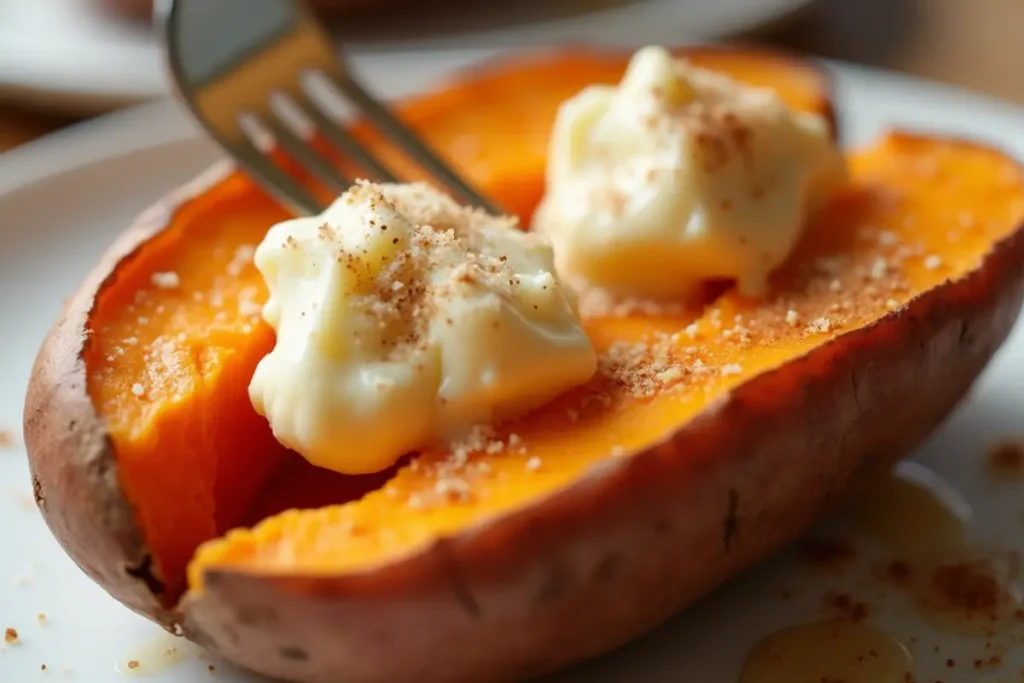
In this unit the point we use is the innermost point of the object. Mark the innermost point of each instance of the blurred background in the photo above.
(63, 61)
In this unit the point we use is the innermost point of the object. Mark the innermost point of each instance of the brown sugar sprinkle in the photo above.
(646, 369)
(479, 439)
(11, 635)
(404, 294)
(453, 488)
(594, 302)
(41, 619)
(827, 293)
(6, 439)
(1007, 458)
(211, 668)
(466, 463)
(820, 326)
(133, 664)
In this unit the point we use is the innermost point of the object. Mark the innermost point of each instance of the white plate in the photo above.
(64, 198)
(69, 54)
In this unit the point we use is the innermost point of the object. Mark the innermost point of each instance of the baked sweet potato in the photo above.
(710, 438)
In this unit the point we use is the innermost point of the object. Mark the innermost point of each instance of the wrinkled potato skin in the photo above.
(640, 538)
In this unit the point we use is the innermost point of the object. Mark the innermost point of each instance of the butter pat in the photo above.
(403, 318)
(679, 174)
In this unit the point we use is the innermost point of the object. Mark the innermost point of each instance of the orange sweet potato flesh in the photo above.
(609, 509)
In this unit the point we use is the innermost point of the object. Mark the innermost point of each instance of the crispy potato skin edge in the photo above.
(71, 458)
(600, 562)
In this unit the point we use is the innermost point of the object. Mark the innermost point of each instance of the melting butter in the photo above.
(156, 655)
(914, 513)
(834, 650)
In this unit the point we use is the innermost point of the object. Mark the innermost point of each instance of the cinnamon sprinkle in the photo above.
(969, 586)
(1007, 459)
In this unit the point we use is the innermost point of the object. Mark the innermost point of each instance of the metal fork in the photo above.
(260, 75)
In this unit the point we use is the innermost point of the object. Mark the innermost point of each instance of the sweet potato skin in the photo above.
(71, 458)
(638, 539)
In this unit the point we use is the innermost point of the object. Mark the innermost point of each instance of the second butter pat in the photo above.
(403, 318)
(679, 175)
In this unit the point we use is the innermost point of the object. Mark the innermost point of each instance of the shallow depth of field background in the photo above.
(971, 43)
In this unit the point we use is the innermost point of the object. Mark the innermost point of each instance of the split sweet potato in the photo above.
(709, 439)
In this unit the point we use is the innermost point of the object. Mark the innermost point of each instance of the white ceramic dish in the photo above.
(64, 198)
(69, 54)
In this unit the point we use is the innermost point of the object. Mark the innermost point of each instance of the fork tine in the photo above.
(274, 180)
(273, 45)
(408, 141)
(345, 143)
(304, 153)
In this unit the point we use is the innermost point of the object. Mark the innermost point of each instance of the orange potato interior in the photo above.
(169, 366)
